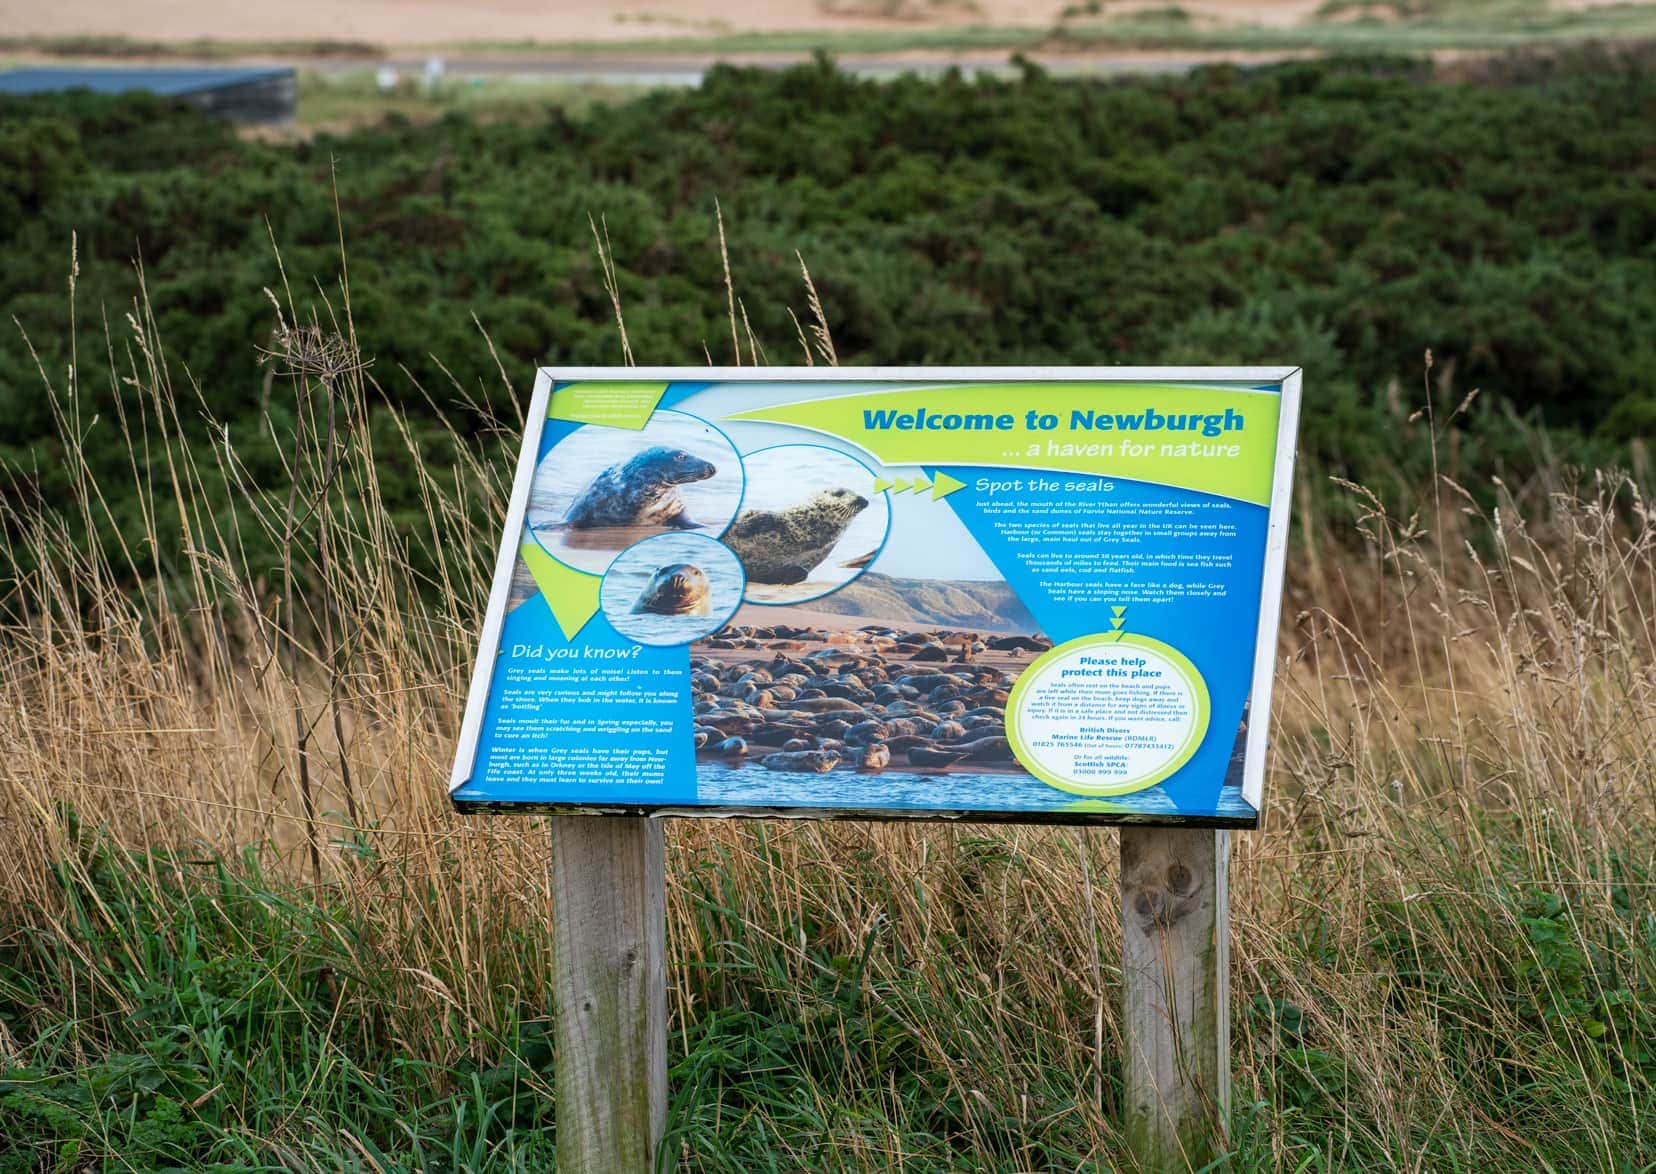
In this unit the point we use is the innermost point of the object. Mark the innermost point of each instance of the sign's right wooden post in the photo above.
(1176, 972)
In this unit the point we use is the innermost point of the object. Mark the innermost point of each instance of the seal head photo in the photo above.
(680, 589)
(671, 589)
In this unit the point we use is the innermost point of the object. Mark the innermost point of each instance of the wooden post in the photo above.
(1175, 917)
(609, 935)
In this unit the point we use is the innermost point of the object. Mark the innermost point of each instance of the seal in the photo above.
(929, 757)
(782, 547)
(1019, 643)
(991, 749)
(642, 491)
(678, 589)
(814, 762)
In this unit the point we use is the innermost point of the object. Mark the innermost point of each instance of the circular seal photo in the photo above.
(810, 522)
(599, 490)
(671, 589)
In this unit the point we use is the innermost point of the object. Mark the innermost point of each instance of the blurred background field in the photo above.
(255, 419)
(330, 30)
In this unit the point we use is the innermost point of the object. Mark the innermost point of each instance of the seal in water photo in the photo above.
(810, 762)
(783, 547)
(640, 492)
(677, 590)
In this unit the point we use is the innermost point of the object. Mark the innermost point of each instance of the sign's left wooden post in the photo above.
(609, 933)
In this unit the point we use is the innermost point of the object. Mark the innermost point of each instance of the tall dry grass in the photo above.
(1443, 950)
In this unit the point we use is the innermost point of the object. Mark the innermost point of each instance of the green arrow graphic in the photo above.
(943, 485)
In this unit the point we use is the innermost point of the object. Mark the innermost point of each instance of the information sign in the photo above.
(998, 594)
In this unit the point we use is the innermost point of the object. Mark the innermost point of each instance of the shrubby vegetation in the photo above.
(1341, 215)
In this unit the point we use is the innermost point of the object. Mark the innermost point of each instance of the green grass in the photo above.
(1519, 27)
(189, 1013)
(1505, 28)
(339, 102)
(182, 1011)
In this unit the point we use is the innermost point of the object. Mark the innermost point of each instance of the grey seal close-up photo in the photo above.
(642, 491)
(681, 589)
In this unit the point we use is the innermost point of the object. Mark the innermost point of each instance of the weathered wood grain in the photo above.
(610, 992)
(1176, 971)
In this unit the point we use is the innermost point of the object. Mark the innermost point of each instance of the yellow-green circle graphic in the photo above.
(1107, 714)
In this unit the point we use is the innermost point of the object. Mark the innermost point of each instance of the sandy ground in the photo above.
(802, 617)
(395, 23)
(404, 22)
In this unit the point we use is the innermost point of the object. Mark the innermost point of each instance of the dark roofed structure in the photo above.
(264, 94)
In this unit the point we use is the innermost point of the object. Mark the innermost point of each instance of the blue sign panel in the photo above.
(1012, 594)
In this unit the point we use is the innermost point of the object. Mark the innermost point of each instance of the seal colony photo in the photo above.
(1001, 595)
